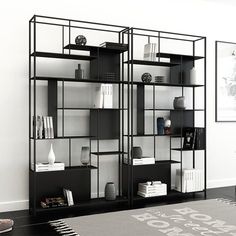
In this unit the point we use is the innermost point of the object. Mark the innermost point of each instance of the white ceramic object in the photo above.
(193, 76)
(167, 123)
(51, 156)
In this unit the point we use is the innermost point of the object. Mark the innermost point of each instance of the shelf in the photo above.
(151, 63)
(87, 108)
(108, 153)
(168, 84)
(186, 150)
(66, 79)
(172, 55)
(172, 193)
(158, 163)
(150, 135)
(163, 109)
(94, 48)
(65, 137)
(67, 169)
(63, 56)
(89, 203)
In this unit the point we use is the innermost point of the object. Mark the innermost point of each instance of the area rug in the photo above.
(206, 217)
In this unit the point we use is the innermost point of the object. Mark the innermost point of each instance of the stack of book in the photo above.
(194, 138)
(104, 96)
(152, 189)
(192, 180)
(44, 127)
(150, 51)
(68, 196)
(43, 167)
(141, 161)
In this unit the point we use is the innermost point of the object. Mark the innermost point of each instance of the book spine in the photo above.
(51, 126)
(45, 127)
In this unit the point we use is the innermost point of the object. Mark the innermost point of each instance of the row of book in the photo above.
(194, 138)
(150, 51)
(152, 189)
(141, 161)
(51, 202)
(68, 197)
(44, 127)
(104, 96)
(43, 167)
(192, 180)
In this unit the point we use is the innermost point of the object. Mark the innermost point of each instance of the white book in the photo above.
(98, 98)
(48, 127)
(70, 198)
(108, 95)
(51, 127)
(151, 195)
(45, 126)
(141, 161)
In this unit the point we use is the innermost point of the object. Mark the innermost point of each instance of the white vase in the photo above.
(51, 156)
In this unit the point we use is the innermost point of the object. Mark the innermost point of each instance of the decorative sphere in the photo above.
(80, 40)
(146, 77)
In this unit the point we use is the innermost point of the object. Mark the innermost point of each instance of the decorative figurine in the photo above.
(146, 77)
(80, 40)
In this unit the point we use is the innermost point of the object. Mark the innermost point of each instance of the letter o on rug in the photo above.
(158, 224)
(200, 217)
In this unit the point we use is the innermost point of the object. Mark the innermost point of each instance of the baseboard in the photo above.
(14, 205)
(219, 183)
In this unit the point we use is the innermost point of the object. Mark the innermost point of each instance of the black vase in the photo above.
(110, 191)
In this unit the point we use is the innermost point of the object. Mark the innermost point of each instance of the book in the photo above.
(51, 127)
(42, 167)
(150, 51)
(141, 161)
(68, 197)
(192, 180)
(189, 138)
(45, 126)
(48, 126)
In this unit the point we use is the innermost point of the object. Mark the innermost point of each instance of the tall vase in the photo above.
(51, 156)
(110, 191)
(85, 155)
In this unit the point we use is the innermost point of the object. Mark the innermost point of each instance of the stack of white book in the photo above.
(192, 180)
(141, 161)
(104, 96)
(150, 51)
(42, 167)
(44, 127)
(152, 189)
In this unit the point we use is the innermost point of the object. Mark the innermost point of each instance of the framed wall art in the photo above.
(225, 86)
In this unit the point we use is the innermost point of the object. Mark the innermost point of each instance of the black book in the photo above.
(189, 135)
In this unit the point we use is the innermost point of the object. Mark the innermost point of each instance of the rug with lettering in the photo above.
(206, 217)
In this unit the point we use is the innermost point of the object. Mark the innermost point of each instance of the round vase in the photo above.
(51, 156)
(136, 152)
(160, 125)
(179, 102)
(85, 157)
(110, 191)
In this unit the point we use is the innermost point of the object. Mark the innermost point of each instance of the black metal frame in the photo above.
(216, 80)
(126, 139)
(33, 78)
(131, 62)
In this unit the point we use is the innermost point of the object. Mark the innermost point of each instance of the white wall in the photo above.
(214, 19)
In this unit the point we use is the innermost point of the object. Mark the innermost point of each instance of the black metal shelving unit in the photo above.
(76, 178)
(118, 122)
(183, 62)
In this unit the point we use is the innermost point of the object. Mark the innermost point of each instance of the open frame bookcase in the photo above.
(112, 132)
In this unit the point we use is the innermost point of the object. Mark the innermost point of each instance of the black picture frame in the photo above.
(225, 86)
